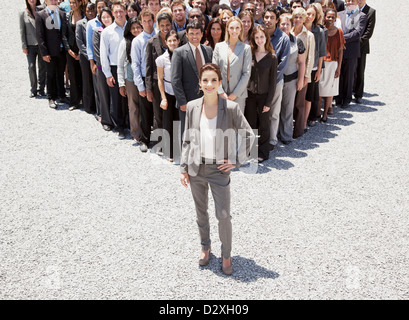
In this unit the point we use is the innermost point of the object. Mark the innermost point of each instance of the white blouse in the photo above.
(208, 137)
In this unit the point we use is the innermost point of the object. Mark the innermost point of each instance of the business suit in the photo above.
(230, 120)
(73, 65)
(154, 48)
(368, 32)
(353, 30)
(49, 37)
(240, 69)
(29, 42)
(88, 98)
(185, 76)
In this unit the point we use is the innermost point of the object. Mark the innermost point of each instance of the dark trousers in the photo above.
(299, 113)
(146, 116)
(346, 80)
(169, 115)
(104, 98)
(360, 76)
(313, 95)
(182, 118)
(119, 104)
(55, 76)
(34, 58)
(259, 120)
(157, 110)
(88, 97)
(96, 94)
(74, 73)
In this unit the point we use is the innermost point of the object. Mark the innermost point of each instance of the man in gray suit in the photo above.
(186, 62)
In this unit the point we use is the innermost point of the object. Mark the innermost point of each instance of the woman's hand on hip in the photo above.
(184, 179)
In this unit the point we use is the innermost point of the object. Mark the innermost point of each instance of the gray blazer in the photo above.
(240, 68)
(354, 30)
(233, 126)
(81, 36)
(185, 76)
(27, 30)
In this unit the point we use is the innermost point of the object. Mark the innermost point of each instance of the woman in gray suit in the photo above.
(207, 158)
(30, 47)
(233, 57)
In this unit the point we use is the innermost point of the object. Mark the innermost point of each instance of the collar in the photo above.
(149, 35)
(353, 11)
(193, 47)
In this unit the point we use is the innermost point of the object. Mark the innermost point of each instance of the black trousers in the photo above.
(157, 110)
(104, 99)
(346, 80)
(313, 95)
(74, 73)
(259, 120)
(55, 76)
(119, 104)
(169, 115)
(88, 96)
(146, 116)
(360, 76)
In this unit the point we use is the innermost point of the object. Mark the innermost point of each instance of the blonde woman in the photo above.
(299, 16)
(233, 57)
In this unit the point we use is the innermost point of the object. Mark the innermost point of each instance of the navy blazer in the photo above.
(354, 30)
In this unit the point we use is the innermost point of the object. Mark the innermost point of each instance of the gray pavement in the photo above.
(84, 215)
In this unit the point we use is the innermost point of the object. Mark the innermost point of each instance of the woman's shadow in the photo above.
(245, 270)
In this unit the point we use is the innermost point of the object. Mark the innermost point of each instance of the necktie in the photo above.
(52, 17)
(199, 62)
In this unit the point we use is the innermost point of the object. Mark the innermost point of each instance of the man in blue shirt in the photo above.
(281, 44)
(138, 55)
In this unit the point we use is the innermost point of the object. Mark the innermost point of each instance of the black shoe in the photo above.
(323, 120)
(286, 142)
(41, 93)
(64, 100)
(121, 134)
(33, 95)
(345, 105)
(272, 147)
(358, 100)
(52, 104)
(106, 127)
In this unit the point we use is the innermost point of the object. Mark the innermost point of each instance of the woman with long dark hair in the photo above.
(125, 75)
(30, 48)
(247, 19)
(168, 103)
(214, 32)
(73, 53)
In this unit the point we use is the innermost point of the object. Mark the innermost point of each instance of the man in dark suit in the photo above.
(49, 25)
(368, 32)
(154, 48)
(353, 24)
(186, 62)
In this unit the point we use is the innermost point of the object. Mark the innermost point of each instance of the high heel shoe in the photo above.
(323, 120)
(204, 261)
(227, 270)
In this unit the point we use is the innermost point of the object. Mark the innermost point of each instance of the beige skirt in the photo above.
(328, 84)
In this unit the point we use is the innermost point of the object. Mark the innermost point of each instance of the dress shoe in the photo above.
(106, 127)
(323, 120)
(143, 147)
(41, 93)
(227, 270)
(52, 104)
(345, 105)
(121, 135)
(64, 100)
(286, 142)
(33, 95)
(358, 100)
(73, 107)
(205, 261)
(272, 147)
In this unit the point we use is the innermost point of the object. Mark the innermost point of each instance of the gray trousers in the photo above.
(220, 186)
(275, 112)
(287, 109)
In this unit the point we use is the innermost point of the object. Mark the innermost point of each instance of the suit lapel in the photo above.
(158, 44)
(237, 51)
(221, 113)
(196, 113)
(191, 59)
(205, 55)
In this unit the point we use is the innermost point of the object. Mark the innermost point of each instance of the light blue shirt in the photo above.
(347, 17)
(91, 25)
(57, 14)
(138, 56)
(111, 38)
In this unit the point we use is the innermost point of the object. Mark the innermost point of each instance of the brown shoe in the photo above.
(205, 261)
(227, 270)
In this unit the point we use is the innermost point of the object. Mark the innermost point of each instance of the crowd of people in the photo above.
(135, 65)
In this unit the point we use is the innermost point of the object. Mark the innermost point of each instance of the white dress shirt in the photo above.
(111, 38)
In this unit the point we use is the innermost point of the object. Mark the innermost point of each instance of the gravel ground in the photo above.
(84, 215)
